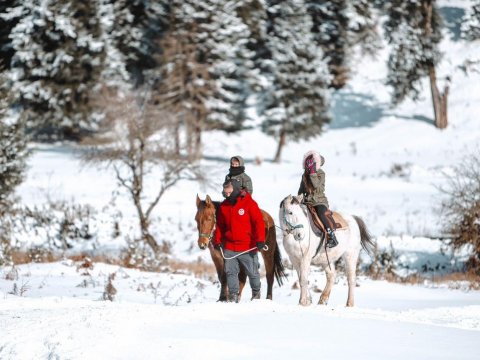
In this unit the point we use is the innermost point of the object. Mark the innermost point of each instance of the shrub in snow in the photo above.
(461, 208)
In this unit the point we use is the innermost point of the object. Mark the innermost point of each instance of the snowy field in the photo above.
(164, 316)
(382, 164)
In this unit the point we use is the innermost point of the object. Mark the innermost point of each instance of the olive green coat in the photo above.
(245, 180)
(317, 197)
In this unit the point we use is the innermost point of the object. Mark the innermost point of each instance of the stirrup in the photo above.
(331, 239)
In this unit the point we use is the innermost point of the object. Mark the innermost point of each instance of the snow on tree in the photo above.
(413, 30)
(7, 22)
(338, 26)
(296, 92)
(204, 68)
(57, 61)
(230, 64)
(471, 23)
(133, 27)
(13, 146)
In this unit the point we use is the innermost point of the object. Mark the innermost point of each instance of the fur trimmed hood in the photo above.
(319, 159)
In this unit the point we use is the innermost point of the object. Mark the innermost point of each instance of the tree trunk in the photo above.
(439, 100)
(281, 143)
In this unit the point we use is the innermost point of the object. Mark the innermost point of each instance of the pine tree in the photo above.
(413, 29)
(205, 66)
(135, 27)
(56, 65)
(471, 23)
(330, 29)
(7, 21)
(297, 96)
(362, 27)
(338, 26)
(230, 64)
(13, 146)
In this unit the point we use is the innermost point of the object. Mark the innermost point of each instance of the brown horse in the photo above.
(206, 221)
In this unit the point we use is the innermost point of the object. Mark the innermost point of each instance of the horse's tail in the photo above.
(278, 268)
(366, 238)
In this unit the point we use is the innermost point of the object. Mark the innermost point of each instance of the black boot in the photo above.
(331, 239)
(255, 295)
(233, 298)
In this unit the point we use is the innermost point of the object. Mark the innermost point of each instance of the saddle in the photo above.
(337, 222)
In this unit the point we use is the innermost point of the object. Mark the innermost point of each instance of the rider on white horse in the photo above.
(312, 187)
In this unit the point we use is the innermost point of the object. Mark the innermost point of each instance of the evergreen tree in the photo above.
(13, 147)
(205, 66)
(297, 96)
(56, 66)
(339, 25)
(330, 29)
(362, 26)
(413, 29)
(230, 64)
(471, 23)
(7, 21)
(134, 30)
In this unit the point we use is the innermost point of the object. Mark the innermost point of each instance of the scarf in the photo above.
(234, 171)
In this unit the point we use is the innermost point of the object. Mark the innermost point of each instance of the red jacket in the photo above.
(239, 226)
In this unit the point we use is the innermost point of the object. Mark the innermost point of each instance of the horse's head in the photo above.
(293, 217)
(206, 221)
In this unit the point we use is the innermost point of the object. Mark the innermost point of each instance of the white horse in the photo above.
(306, 247)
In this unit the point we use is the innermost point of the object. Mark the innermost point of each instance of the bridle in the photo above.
(209, 235)
(290, 227)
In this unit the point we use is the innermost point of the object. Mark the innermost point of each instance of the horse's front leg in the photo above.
(242, 279)
(330, 273)
(222, 276)
(303, 271)
(351, 269)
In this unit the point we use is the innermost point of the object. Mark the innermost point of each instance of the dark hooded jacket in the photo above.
(238, 173)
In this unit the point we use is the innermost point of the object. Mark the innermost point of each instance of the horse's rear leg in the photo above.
(330, 273)
(269, 262)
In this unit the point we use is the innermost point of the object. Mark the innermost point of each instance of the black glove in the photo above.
(218, 246)
(261, 245)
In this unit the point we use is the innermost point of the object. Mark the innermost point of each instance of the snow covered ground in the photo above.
(382, 164)
(167, 316)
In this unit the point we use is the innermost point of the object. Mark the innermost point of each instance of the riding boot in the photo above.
(233, 298)
(331, 238)
(255, 295)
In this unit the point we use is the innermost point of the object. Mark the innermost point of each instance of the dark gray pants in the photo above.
(249, 262)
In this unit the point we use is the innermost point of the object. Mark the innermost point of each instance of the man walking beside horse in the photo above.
(240, 232)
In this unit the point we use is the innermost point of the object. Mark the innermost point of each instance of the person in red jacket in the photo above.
(240, 228)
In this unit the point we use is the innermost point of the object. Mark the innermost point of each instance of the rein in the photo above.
(265, 248)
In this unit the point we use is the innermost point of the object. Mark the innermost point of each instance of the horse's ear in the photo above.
(208, 200)
(300, 198)
(198, 201)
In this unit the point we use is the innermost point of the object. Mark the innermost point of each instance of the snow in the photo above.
(168, 316)
(383, 164)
